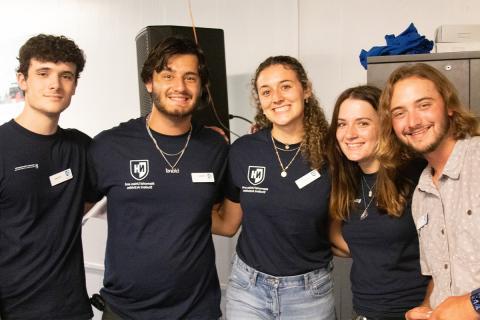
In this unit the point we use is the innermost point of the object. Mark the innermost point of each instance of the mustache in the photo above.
(415, 129)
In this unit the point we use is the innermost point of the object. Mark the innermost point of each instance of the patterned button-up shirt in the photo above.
(448, 222)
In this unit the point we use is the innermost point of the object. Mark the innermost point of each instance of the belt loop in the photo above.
(306, 281)
(253, 278)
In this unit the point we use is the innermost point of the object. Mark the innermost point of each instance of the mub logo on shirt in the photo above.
(139, 169)
(256, 175)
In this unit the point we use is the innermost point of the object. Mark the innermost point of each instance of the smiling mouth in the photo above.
(355, 145)
(179, 99)
(417, 132)
(281, 108)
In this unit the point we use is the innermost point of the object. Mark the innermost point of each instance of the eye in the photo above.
(286, 87)
(425, 105)
(398, 113)
(68, 76)
(42, 73)
(191, 78)
(265, 93)
(340, 124)
(167, 76)
(363, 124)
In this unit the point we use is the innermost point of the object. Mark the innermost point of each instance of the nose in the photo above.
(351, 132)
(179, 84)
(413, 119)
(54, 82)
(277, 97)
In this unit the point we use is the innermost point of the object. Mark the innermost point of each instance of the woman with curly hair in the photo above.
(278, 189)
(370, 206)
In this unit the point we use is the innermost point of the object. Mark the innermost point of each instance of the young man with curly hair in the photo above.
(43, 188)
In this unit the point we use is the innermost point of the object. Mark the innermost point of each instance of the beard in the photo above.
(175, 113)
(444, 129)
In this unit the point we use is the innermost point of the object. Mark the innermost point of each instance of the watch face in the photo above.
(475, 298)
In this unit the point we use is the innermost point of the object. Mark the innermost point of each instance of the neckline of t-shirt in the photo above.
(166, 136)
(24, 131)
(370, 177)
(279, 144)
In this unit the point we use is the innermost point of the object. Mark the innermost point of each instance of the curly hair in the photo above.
(160, 55)
(314, 121)
(49, 48)
(462, 122)
(393, 188)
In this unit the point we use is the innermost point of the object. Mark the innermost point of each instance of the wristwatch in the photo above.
(475, 299)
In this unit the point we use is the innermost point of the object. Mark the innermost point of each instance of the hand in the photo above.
(418, 313)
(218, 130)
(254, 128)
(455, 308)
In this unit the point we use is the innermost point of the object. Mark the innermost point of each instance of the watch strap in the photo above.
(475, 299)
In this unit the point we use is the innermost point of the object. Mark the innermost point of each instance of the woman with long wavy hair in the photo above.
(371, 213)
(278, 190)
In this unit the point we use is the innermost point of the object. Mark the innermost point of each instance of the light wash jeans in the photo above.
(255, 295)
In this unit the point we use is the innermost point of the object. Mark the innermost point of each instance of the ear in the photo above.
(149, 86)
(450, 112)
(308, 91)
(74, 87)
(22, 81)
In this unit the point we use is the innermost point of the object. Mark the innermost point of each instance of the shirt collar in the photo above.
(451, 170)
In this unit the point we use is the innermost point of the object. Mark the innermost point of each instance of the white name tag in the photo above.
(60, 177)
(202, 177)
(422, 221)
(307, 179)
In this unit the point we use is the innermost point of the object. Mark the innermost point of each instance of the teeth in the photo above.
(281, 109)
(182, 99)
(354, 145)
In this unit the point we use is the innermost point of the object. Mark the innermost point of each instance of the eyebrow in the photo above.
(281, 82)
(416, 101)
(166, 68)
(357, 119)
(423, 99)
(43, 69)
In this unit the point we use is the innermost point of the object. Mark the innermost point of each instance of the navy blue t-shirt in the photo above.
(42, 274)
(385, 275)
(284, 228)
(160, 259)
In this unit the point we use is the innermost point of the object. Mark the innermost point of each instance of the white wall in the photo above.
(107, 91)
(327, 35)
(332, 33)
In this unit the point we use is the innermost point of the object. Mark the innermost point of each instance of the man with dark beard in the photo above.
(420, 109)
(161, 175)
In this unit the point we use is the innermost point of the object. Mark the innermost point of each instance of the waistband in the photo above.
(279, 282)
(360, 317)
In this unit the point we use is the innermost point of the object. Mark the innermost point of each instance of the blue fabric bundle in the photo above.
(408, 42)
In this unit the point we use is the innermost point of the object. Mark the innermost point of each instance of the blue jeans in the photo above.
(255, 295)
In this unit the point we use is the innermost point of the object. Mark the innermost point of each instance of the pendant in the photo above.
(283, 174)
(287, 147)
(364, 214)
(173, 170)
(370, 193)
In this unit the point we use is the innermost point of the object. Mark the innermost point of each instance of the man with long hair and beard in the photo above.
(420, 110)
(161, 175)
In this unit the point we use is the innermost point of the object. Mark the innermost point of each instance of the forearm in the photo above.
(339, 245)
(226, 218)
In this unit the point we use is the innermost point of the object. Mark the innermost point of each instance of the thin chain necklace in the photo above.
(370, 189)
(164, 154)
(284, 168)
(370, 195)
(287, 148)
